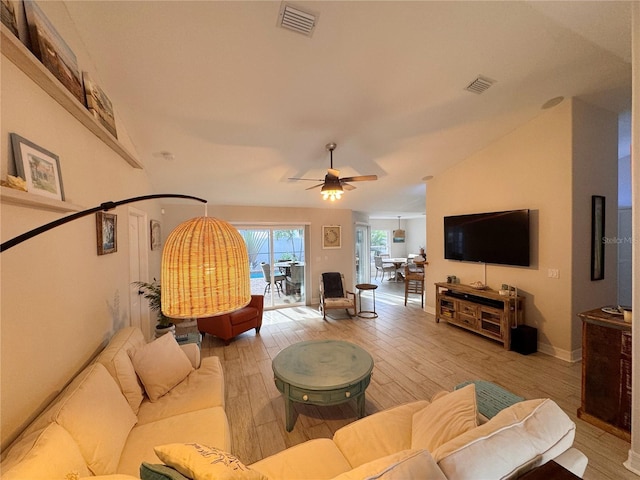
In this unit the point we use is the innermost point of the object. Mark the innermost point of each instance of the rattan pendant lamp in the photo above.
(205, 270)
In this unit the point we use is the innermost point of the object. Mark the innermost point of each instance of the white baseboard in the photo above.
(633, 462)
(571, 356)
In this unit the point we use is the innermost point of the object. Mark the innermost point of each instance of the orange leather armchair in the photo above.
(230, 325)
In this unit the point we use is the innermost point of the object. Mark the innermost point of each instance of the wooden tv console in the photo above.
(482, 311)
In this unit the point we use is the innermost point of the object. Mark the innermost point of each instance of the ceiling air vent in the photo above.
(480, 84)
(295, 19)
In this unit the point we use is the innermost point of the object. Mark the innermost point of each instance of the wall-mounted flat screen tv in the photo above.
(495, 237)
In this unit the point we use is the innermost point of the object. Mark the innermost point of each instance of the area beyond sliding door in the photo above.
(277, 264)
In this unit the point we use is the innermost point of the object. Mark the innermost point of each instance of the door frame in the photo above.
(138, 268)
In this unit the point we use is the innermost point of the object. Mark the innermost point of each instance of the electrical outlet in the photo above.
(553, 273)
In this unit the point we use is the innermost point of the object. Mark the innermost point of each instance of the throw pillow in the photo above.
(201, 462)
(161, 365)
(45, 454)
(518, 438)
(92, 408)
(444, 419)
(154, 471)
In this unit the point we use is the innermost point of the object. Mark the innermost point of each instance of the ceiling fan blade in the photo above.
(306, 179)
(348, 187)
(315, 186)
(334, 172)
(361, 178)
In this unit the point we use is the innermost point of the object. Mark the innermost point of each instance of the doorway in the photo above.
(138, 269)
(277, 263)
(363, 256)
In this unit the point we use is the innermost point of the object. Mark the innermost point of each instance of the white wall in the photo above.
(530, 168)
(60, 300)
(415, 234)
(318, 259)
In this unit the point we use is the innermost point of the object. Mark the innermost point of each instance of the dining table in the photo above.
(397, 262)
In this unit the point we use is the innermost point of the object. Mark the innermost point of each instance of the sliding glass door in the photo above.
(363, 257)
(277, 263)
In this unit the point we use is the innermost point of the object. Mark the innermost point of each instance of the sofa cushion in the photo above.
(48, 454)
(398, 466)
(444, 419)
(201, 462)
(315, 459)
(99, 418)
(161, 365)
(519, 437)
(209, 426)
(203, 388)
(245, 314)
(378, 435)
(116, 360)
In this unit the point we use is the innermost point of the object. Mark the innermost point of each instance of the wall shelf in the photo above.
(13, 49)
(26, 199)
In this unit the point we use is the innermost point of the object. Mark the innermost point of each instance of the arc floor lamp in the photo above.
(205, 265)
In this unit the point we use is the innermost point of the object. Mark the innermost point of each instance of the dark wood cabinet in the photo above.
(606, 372)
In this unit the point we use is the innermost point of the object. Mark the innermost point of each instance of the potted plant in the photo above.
(152, 292)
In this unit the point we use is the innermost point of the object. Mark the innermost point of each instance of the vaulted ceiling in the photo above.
(222, 103)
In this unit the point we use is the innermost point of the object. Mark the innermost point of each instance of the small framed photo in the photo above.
(331, 236)
(38, 167)
(156, 243)
(597, 237)
(107, 232)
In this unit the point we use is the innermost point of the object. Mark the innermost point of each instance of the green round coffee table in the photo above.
(322, 372)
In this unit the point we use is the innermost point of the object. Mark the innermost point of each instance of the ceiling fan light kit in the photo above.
(334, 186)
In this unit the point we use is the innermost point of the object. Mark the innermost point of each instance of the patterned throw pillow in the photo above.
(200, 462)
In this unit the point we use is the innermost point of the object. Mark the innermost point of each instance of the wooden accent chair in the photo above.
(230, 325)
(333, 295)
(414, 280)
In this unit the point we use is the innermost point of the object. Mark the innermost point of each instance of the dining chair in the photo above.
(381, 267)
(295, 280)
(414, 281)
(278, 279)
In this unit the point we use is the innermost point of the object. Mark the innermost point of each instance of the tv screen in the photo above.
(496, 237)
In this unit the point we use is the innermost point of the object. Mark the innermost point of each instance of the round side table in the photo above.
(367, 313)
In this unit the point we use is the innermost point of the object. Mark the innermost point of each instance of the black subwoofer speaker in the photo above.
(524, 339)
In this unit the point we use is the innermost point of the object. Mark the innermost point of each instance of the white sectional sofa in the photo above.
(104, 422)
(111, 419)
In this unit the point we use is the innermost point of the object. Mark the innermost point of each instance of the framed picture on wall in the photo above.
(156, 243)
(597, 237)
(107, 232)
(39, 168)
(331, 236)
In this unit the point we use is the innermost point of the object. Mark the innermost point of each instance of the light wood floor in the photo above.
(415, 357)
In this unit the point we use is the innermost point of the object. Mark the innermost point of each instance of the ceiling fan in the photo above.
(333, 186)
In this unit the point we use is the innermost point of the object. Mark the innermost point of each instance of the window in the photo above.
(379, 242)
